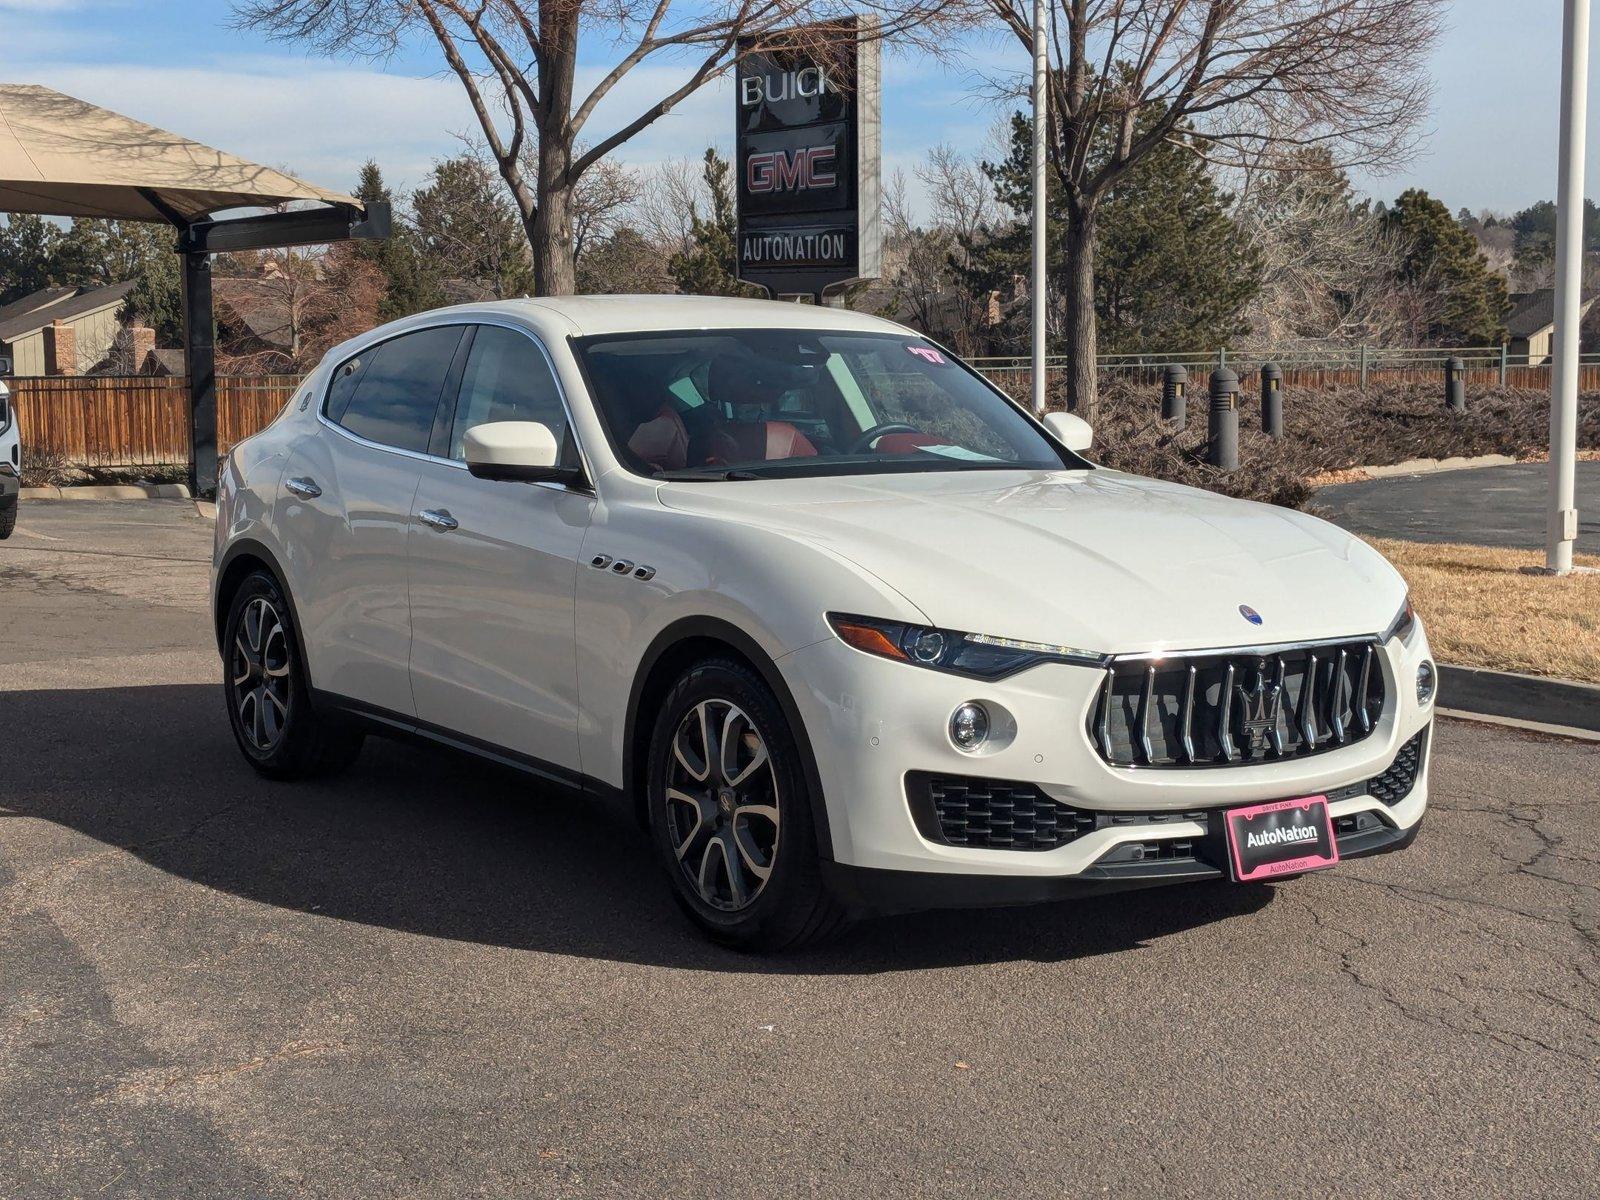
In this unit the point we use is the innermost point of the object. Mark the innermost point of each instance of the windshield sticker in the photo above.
(960, 452)
(928, 354)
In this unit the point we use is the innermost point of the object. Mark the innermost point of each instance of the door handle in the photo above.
(304, 487)
(439, 518)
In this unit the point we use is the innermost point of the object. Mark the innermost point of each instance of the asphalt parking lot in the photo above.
(1486, 506)
(427, 979)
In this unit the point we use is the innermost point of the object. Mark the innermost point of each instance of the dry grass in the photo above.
(1482, 611)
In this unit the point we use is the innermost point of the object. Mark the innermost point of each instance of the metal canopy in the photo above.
(65, 157)
(60, 156)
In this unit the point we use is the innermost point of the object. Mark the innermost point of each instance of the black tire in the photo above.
(8, 518)
(278, 730)
(791, 906)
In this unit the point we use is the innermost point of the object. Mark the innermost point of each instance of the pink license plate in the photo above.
(1284, 837)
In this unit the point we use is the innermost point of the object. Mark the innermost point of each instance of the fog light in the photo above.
(969, 726)
(1425, 683)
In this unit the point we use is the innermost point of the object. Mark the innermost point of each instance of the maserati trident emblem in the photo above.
(1249, 614)
(1258, 707)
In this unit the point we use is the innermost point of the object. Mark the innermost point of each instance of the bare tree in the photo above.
(922, 258)
(1235, 80)
(670, 197)
(1329, 268)
(518, 62)
(601, 202)
(282, 310)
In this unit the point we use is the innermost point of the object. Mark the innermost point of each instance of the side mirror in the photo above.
(519, 451)
(1070, 430)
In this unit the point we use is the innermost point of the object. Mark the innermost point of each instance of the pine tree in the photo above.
(470, 243)
(405, 289)
(708, 267)
(98, 253)
(28, 246)
(1172, 272)
(1443, 259)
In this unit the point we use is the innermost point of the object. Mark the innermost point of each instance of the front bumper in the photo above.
(874, 724)
(10, 485)
(868, 890)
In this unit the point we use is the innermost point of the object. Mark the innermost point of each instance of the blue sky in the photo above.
(179, 64)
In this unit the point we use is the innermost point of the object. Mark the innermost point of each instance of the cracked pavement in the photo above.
(428, 979)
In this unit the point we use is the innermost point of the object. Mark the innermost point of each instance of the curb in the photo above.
(1427, 466)
(110, 491)
(1521, 697)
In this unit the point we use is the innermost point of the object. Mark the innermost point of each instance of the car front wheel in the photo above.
(269, 705)
(730, 813)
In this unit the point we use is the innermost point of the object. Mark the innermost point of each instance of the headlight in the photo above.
(977, 655)
(1404, 623)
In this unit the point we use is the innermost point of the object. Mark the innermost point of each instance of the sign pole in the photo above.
(1563, 527)
(1041, 121)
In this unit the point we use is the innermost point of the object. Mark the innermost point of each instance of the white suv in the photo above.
(847, 626)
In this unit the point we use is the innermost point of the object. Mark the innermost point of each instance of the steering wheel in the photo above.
(864, 443)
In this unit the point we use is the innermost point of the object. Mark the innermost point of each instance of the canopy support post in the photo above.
(200, 366)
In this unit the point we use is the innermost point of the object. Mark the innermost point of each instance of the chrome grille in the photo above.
(1237, 707)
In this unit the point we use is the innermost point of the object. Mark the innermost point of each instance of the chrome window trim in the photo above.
(465, 323)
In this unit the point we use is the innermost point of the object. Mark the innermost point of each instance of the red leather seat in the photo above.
(905, 443)
(662, 441)
(758, 441)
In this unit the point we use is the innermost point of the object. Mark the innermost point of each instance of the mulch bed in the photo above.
(1326, 431)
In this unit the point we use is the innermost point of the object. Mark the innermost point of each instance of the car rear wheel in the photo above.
(730, 813)
(269, 706)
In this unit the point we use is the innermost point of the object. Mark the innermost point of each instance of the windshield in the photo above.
(739, 404)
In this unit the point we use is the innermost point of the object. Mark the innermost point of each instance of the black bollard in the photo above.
(1455, 387)
(1174, 401)
(1271, 400)
(1223, 448)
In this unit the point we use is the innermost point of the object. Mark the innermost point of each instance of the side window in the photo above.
(346, 376)
(392, 397)
(507, 379)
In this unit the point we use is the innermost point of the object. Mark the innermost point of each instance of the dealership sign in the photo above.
(807, 159)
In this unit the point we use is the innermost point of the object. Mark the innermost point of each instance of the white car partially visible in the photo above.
(10, 456)
(850, 629)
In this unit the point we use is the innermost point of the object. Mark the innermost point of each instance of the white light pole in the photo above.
(1041, 124)
(1563, 528)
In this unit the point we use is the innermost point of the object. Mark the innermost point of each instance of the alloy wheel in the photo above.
(260, 672)
(722, 805)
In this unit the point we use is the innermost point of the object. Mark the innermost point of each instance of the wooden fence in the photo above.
(135, 421)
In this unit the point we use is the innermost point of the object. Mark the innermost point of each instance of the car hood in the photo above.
(1095, 559)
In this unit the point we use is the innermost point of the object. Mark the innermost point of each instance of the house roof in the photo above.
(32, 301)
(163, 362)
(77, 302)
(1534, 312)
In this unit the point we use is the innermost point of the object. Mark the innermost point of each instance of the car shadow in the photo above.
(432, 843)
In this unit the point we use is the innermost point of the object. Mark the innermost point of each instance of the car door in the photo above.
(493, 570)
(344, 512)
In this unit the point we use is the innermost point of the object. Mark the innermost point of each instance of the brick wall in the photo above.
(60, 349)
